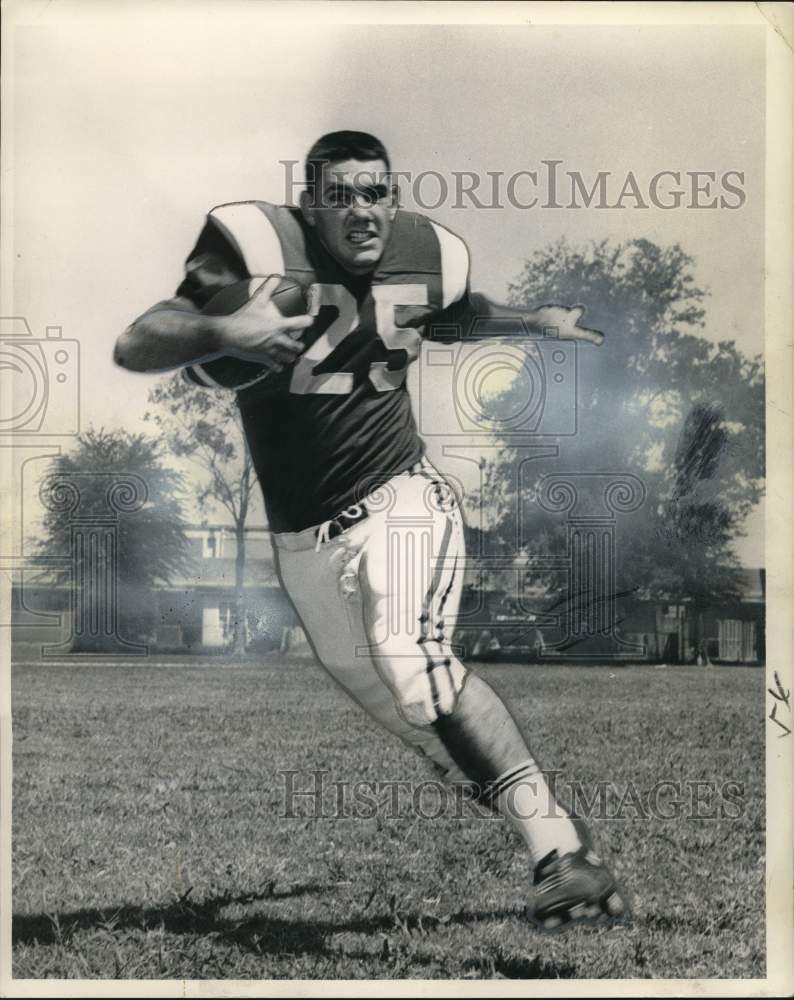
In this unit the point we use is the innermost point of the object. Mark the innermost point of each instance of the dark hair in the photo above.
(337, 146)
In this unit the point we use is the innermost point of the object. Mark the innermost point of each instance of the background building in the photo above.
(195, 613)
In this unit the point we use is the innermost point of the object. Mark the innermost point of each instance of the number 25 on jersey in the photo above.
(387, 298)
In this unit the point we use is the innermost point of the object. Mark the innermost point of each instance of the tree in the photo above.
(204, 427)
(152, 545)
(658, 400)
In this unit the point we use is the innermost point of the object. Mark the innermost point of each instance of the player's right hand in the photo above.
(258, 331)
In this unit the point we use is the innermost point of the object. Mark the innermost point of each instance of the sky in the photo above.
(132, 120)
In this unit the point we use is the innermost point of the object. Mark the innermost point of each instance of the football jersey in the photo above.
(338, 422)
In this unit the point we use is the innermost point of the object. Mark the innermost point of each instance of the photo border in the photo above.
(778, 19)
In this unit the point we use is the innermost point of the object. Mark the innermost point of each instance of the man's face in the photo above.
(352, 212)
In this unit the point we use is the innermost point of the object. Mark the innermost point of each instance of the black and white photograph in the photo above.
(396, 428)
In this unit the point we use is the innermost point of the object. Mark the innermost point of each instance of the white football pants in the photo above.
(379, 601)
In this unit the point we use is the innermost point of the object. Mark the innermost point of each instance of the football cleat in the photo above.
(576, 888)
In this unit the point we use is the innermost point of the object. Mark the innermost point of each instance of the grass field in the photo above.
(150, 841)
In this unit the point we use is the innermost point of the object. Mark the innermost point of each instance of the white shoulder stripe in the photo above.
(255, 235)
(454, 264)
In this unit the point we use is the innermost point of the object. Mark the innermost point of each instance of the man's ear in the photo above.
(307, 208)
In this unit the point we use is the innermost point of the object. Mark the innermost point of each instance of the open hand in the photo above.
(565, 321)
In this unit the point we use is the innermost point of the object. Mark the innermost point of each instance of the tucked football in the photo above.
(234, 373)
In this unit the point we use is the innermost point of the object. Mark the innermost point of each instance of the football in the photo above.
(234, 373)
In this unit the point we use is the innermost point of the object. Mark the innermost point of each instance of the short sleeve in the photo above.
(454, 265)
(213, 264)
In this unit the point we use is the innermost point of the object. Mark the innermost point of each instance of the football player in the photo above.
(344, 476)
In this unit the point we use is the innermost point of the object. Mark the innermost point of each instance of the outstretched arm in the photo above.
(471, 315)
(542, 320)
(476, 317)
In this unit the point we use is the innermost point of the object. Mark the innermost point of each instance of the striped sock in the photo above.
(523, 797)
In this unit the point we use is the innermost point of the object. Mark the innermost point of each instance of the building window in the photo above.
(212, 545)
(736, 640)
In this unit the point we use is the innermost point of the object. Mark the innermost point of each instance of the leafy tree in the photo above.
(204, 427)
(152, 545)
(658, 400)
